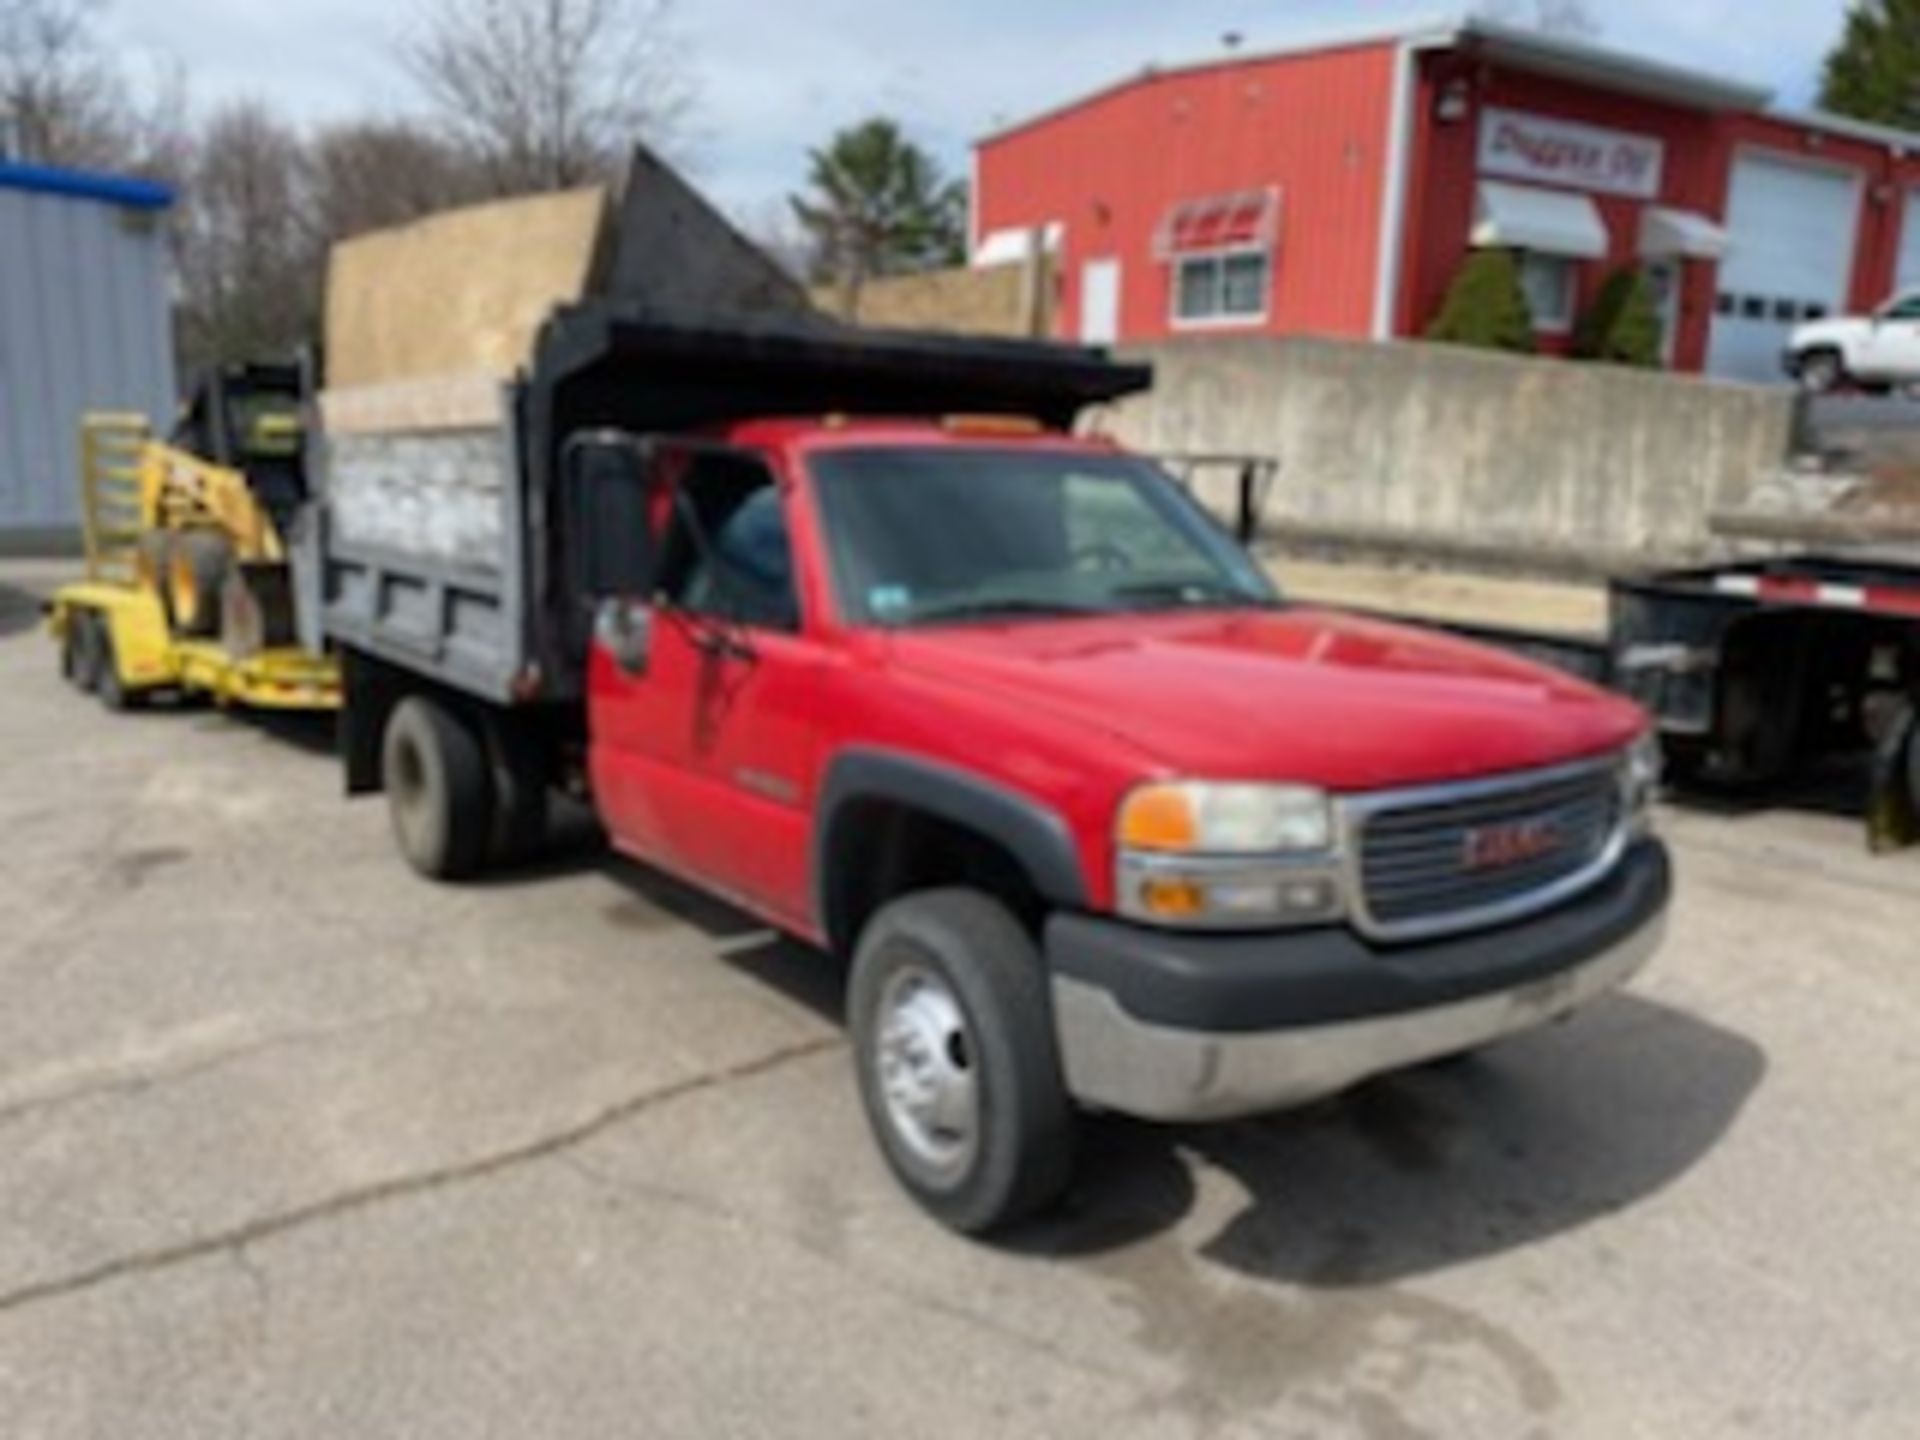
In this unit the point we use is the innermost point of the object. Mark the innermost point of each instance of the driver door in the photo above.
(704, 756)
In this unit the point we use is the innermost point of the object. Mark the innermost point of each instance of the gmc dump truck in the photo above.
(851, 629)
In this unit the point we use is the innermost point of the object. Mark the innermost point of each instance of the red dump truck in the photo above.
(850, 629)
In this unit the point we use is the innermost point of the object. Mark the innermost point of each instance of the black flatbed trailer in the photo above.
(1756, 668)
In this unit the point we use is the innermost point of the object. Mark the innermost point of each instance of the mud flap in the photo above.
(1893, 803)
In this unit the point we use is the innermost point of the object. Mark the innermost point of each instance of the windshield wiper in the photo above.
(1196, 593)
(1008, 606)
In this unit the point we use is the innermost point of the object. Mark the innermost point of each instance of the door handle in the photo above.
(719, 643)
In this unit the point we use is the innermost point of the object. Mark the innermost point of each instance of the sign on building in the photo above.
(1520, 146)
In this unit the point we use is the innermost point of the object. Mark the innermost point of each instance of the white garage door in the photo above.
(1907, 274)
(1793, 230)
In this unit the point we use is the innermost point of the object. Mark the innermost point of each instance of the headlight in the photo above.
(1228, 856)
(1194, 818)
(1640, 772)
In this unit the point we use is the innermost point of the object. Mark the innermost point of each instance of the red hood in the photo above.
(1299, 694)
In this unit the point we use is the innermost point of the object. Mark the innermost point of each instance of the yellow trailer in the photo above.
(185, 571)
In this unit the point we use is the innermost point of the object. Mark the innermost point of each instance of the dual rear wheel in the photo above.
(461, 793)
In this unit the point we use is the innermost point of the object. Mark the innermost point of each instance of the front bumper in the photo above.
(1169, 1026)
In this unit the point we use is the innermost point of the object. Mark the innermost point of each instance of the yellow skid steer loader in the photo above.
(188, 588)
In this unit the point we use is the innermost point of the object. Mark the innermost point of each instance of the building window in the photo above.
(1549, 283)
(1221, 288)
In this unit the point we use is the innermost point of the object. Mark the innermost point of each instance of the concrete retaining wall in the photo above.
(1543, 463)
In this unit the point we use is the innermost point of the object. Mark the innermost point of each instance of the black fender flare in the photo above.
(1037, 836)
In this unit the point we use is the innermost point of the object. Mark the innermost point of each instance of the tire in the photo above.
(196, 571)
(1913, 769)
(1685, 760)
(1821, 371)
(72, 645)
(85, 630)
(948, 993)
(438, 792)
(108, 685)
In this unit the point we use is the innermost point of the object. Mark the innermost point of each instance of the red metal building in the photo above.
(1335, 188)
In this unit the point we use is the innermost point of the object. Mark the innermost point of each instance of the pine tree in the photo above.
(1622, 326)
(1873, 72)
(1485, 307)
(877, 204)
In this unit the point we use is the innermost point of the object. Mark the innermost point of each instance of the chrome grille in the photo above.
(1453, 857)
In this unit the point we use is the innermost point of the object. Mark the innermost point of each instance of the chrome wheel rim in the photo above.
(928, 1072)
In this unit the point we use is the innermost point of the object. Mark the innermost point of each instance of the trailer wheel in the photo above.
(958, 1067)
(72, 648)
(438, 792)
(1913, 768)
(111, 689)
(86, 636)
(196, 570)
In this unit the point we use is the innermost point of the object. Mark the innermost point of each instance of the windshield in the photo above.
(919, 536)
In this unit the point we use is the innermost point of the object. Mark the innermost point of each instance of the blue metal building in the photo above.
(84, 325)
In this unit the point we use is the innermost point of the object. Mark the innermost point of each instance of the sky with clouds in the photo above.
(777, 75)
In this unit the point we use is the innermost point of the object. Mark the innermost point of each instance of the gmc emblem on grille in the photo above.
(1498, 847)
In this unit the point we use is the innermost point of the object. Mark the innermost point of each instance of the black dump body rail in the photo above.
(652, 371)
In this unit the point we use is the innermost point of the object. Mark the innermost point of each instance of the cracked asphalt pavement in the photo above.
(294, 1144)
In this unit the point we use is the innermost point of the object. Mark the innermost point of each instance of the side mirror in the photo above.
(625, 627)
(608, 477)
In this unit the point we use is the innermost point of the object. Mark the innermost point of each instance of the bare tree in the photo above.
(56, 82)
(1574, 19)
(551, 93)
(366, 174)
(249, 272)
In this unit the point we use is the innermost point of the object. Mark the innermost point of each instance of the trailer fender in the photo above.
(135, 627)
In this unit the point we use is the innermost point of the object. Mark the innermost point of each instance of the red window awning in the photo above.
(1243, 220)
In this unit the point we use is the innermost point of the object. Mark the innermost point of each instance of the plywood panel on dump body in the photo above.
(458, 293)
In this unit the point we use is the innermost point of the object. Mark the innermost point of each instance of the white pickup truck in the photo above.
(1876, 352)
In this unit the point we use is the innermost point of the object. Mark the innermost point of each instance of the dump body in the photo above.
(418, 550)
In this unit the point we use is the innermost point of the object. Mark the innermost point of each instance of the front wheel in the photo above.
(958, 1067)
(1821, 372)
